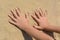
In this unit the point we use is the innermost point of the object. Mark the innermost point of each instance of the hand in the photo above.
(22, 21)
(19, 19)
(40, 18)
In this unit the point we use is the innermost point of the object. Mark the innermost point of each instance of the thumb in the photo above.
(38, 27)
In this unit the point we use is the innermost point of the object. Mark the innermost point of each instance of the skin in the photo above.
(22, 21)
(42, 21)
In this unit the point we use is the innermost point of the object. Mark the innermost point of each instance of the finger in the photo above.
(17, 11)
(45, 13)
(14, 13)
(35, 18)
(37, 27)
(41, 12)
(12, 22)
(37, 13)
(27, 16)
(20, 13)
(12, 18)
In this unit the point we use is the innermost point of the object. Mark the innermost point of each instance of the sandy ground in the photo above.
(9, 32)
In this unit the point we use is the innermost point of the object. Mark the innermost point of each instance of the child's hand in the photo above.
(41, 19)
(19, 19)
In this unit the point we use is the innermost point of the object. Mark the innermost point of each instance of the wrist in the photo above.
(26, 27)
(47, 26)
